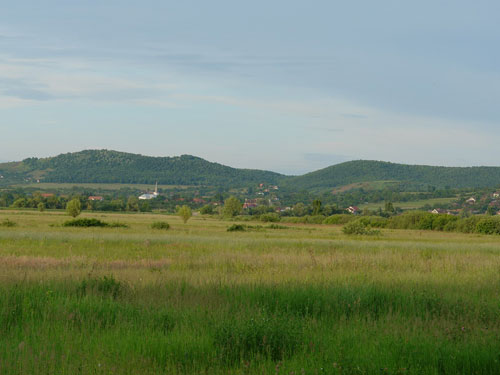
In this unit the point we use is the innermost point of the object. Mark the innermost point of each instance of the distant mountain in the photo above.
(365, 171)
(103, 166)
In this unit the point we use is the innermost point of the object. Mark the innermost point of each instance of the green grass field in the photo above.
(410, 205)
(196, 299)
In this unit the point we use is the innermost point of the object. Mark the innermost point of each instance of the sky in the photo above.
(289, 86)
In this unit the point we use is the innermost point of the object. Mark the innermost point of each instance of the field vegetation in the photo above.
(199, 299)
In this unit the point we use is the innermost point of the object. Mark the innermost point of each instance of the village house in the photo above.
(353, 210)
(471, 200)
(496, 194)
(96, 198)
(250, 203)
(439, 211)
(46, 195)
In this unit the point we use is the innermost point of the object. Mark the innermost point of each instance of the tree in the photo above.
(207, 210)
(299, 209)
(185, 213)
(389, 207)
(74, 207)
(316, 207)
(41, 207)
(232, 207)
(133, 203)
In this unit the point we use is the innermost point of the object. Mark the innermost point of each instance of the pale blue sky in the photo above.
(282, 85)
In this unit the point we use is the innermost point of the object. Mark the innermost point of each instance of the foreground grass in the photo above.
(197, 299)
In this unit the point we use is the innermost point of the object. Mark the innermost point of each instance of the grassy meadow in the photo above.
(410, 205)
(196, 299)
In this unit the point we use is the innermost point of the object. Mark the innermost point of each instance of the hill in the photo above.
(365, 171)
(103, 166)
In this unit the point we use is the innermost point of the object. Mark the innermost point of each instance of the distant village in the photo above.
(262, 198)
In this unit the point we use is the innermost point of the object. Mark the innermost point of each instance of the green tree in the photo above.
(207, 209)
(316, 207)
(41, 207)
(133, 203)
(299, 209)
(74, 207)
(185, 213)
(20, 203)
(232, 207)
(389, 207)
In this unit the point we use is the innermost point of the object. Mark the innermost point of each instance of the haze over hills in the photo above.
(104, 166)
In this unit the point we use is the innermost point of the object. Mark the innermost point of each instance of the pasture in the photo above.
(196, 299)
(410, 205)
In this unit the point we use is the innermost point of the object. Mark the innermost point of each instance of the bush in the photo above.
(469, 224)
(236, 228)
(308, 219)
(358, 227)
(207, 209)
(106, 286)
(185, 213)
(441, 221)
(276, 226)
(488, 225)
(86, 223)
(339, 219)
(412, 220)
(374, 221)
(160, 225)
(270, 218)
(74, 207)
(8, 223)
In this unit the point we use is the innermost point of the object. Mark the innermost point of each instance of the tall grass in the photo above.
(200, 300)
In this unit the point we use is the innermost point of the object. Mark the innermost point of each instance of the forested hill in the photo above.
(365, 171)
(120, 167)
(103, 166)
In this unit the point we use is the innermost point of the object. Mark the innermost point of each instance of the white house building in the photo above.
(150, 195)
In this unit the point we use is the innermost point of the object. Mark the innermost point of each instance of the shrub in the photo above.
(412, 220)
(270, 217)
(308, 219)
(116, 224)
(488, 225)
(7, 223)
(469, 224)
(276, 226)
(441, 221)
(106, 286)
(74, 207)
(86, 223)
(339, 219)
(207, 209)
(160, 225)
(236, 228)
(185, 213)
(374, 221)
(358, 227)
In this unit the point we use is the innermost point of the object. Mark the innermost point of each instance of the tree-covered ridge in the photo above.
(103, 166)
(365, 170)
